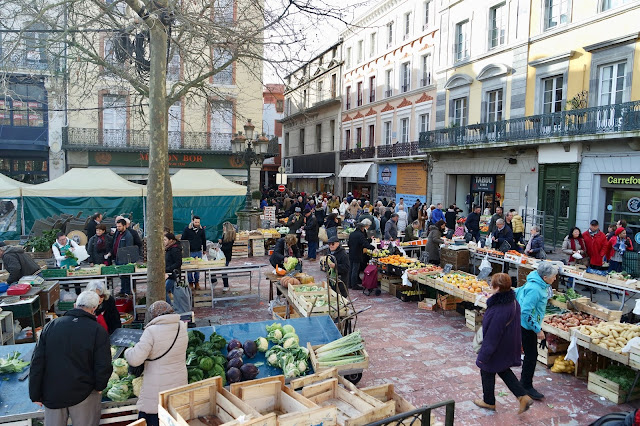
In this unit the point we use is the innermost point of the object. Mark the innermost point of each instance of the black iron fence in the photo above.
(358, 153)
(404, 149)
(588, 121)
(420, 416)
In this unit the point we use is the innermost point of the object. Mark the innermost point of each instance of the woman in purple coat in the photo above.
(501, 345)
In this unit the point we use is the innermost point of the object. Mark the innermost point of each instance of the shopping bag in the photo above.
(181, 299)
(331, 232)
(405, 279)
(485, 263)
(81, 253)
(572, 350)
(216, 254)
(322, 234)
(477, 340)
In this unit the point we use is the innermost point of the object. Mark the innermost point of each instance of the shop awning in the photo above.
(308, 175)
(355, 170)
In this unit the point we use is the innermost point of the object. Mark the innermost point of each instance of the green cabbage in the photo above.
(288, 329)
(206, 363)
(291, 263)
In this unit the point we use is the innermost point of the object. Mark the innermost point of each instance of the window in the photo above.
(305, 99)
(119, 7)
(423, 122)
(279, 105)
(611, 84)
(552, 95)
(389, 33)
(348, 96)
(611, 4)
(387, 132)
(404, 130)
(348, 58)
(173, 67)
(427, 14)
(459, 113)
(25, 106)
(221, 125)
(334, 79)
(223, 10)
(35, 45)
(114, 121)
(302, 141)
(556, 12)
(287, 109)
(319, 137)
(407, 25)
(405, 82)
(360, 50)
(320, 93)
(225, 75)
(332, 129)
(372, 88)
(287, 148)
(359, 93)
(347, 138)
(5, 113)
(426, 71)
(372, 44)
(110, 55)
(461, 46)
(174, 127)
(387, 81)
(372, 136)
(359, 137)
(497, 25)
(494, 106)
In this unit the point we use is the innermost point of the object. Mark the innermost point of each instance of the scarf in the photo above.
(620, 246)
(573, 243)
(101, 243)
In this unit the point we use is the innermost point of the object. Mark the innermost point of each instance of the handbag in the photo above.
(477, 340)
(137, 371)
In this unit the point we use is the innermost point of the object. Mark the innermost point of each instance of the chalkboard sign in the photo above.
(447, 268)
(125, 337)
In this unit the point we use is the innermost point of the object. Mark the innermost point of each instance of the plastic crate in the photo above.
(631, 263)
(53, 273)
(118, 269)
(65, 306)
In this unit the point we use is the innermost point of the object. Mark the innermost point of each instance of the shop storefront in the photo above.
(360, 179)
(622, 200)
(312, 173)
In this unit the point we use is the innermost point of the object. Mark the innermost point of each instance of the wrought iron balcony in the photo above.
(400, 149)
(358, 153)
(138, 140)
(28, 60)
(600, 120)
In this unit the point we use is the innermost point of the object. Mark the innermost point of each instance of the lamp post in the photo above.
(250, 151)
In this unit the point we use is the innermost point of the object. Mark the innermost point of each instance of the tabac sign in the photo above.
(183, 160)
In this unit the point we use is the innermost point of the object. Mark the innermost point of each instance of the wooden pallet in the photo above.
(609, 389)
(386, 393)
(6, 328)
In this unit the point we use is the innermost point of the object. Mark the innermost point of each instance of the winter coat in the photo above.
(343, 208)
(501, 334)
(436, 215)
(532, 297)
(197, 238)
(137, 241)
(391, 230)
(125, 241)
(173, 260)
(450, 218)
(492, 222)
(61, 258)
(227, 249)
(434, 239)
(579, 245)
(281, 251)
(91, 228)
(517, 225)
(503, 235)
(168, 372)
(595, 246)
(294, 223)
(18, 263)
(342, 264)
(610, 251)
(473, 222)
(402, 220)
(357, 242)
(537, 246)
(110, 314)
(423, 218)
(71, 360)
(311, 229)
(409, 234)
(413, 213)
(96, 256)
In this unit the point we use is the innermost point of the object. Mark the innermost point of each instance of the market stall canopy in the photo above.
(355, 170)
(10, 188)
(203, 183)
(82, 182)
(308, 175)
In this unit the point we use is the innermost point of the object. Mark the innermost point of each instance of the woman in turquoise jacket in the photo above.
(532, 297)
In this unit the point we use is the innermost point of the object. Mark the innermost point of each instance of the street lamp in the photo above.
(250, 151)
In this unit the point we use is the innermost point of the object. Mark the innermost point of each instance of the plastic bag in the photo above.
(485, 263)
(572, 351)
(477, 340)
(405, 279)
(216, 254)
(181, 299)
(633, 342)
(81, 253)
(322, 234)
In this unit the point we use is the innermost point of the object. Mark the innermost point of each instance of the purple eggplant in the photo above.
(249, 371)
(234, 375)
(236, 353)
(250, 348)
(234, 344)
(235, 362)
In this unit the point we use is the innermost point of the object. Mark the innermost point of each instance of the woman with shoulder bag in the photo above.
(162, 350)
(500, 348)
(575, 247)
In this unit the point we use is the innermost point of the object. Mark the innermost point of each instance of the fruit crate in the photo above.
(448, 303)
(473, 319)
(54, 273)
(401, 294)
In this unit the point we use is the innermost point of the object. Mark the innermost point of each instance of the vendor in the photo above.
(502, 234)
(18, 263)
(99, 246)
(63, 250)
(411, 230)
(173, 263)
(285, 247)
(341, 264)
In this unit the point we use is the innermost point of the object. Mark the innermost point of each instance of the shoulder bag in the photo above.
(137, 371)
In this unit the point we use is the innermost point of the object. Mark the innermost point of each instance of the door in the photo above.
(175, 118)
(114, 121)
(557, 212)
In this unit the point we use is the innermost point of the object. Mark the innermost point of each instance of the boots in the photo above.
(197, 286)
(525, 403)
(480, 403)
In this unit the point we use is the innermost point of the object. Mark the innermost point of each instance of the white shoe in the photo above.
(225, 289)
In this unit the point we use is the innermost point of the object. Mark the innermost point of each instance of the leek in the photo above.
(354, 337)
(345, 350)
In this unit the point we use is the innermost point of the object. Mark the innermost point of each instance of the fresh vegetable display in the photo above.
(13, 363)
(560, 365)
(346, 350)
(401, 261)
(204, 359)
(612, 336)
(307, 288)
(571, 294)
(120, 367)
(286, 354)
(120, 387)
(465, 281)
(262, 344)
(623, 376)
(571, 319)
(425, 269)
(290, 263)
(287, 281)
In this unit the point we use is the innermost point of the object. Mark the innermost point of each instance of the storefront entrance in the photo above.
(486, 191)
(557, 199)
(622, 200)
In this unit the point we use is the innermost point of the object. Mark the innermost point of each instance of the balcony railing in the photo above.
(372, 97)
(399, 149)
(22, 59)
(588, 121)
(73, 137)
(358, 153)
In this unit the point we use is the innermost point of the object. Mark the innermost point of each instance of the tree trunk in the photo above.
(168, 201)
(158, 162)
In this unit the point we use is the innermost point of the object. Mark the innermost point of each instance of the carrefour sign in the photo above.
(623, 180)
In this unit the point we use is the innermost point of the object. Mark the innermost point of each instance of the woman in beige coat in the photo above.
(170, 370)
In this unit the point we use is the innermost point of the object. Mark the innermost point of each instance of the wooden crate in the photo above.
(270, 395)
(634, 357)
(205, 399)
(202, 298)
(448, 303)
(595, 277)
(523, 271)
(386, 393)
(356, 366)
(587, 306)
(93, 270)
(622, 358)
(304, 303)
(473, 319)
(386, 281)
(548, 328)
(428, 304)
(6, 328)
(459, 259)
(610, 390)
(547, 357)
(284, 312)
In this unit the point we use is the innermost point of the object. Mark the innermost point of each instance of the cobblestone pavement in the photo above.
(428, 357)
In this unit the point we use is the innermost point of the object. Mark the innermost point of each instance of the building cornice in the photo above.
(631, 38)
(552, 59)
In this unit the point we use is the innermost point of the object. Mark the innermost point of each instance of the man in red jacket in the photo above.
(596, 243)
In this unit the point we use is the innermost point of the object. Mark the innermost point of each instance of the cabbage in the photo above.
(290, 343)
(137, 385)
(291, 263)
(262, 343)
(288, 329)
(120, 367)
(302, 366)
(114, 377)
(119, 392)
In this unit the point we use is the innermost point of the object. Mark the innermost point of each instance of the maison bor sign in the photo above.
(141, 159)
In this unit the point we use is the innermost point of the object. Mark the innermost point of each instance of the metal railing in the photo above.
(400, 149)
(372, 97)
(420, 416)
(587, 121)
(28, 61)
(426, 81)
(358, 153)
(136, 139)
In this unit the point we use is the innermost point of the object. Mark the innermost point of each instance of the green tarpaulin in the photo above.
(213, 212)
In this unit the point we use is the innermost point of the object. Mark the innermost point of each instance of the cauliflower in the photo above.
(120, 367)
(137, 386)
(262, 343)
(114, 376)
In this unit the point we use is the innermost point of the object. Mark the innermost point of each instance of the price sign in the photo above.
(447, 268)
(281, 188)
(125, 337)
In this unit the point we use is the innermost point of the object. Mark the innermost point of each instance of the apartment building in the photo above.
(388, 99)
(272, 113)
(311, 123)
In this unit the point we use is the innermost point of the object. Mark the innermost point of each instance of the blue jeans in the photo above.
(194, 277)
(311, 249)
(615, 266)
(169, 286)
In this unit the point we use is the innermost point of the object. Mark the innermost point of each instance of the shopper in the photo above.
(391, 228)
(450, 217)
(383, 221)
(353, 210)
(437, 214)
(63, 250)
(501, 342)
(93, 223)
(402, 218)
(423, 216)
(195, 234)
(596, 244)
(535, 246)
(107, 313)
(575, 247)
(473, 223)
(410, 231)
(226, 246)
(532, 297)
(311, 234)
(284, 248)
(517, 226)
(502, 234)
(357, 243)
(434, 239)
(413, 211)
(343, 207)
(172, 262)
(71, 365)
(400, 204)
(296, 220)
(162, 349)
(499, 214)
(616, 248)
(341, 265)
(18, 263)
(99, 246)
(623, 224)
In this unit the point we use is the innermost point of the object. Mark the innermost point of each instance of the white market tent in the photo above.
(80, 182)
(11, 219)
(202, 183)
(10, 188)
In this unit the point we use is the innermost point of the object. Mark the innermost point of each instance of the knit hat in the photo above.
(620, 231)
(159, 308)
